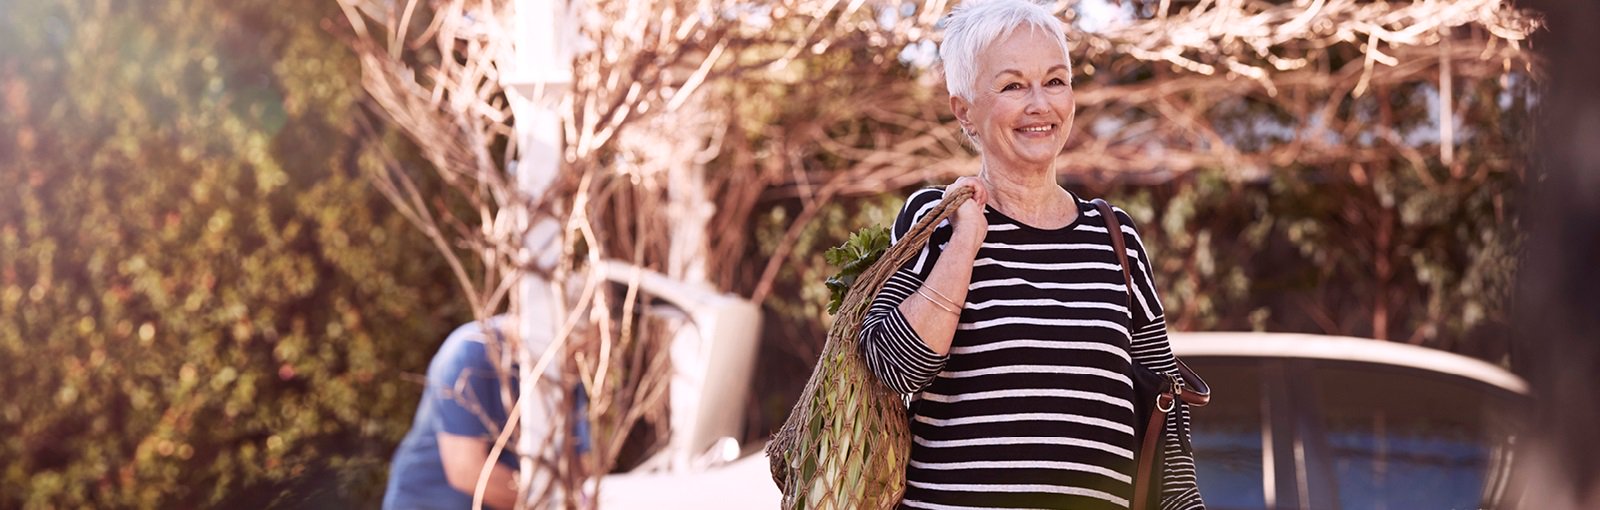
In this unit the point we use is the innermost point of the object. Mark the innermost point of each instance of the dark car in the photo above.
(1319, 422)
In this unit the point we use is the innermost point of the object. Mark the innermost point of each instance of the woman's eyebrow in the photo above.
(1054, 68)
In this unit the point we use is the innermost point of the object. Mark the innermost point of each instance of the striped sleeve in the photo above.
(893, 350)
(1180, 488)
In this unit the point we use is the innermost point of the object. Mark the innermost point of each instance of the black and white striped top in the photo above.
(1032, 406)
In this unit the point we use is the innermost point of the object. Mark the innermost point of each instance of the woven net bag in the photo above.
(846, 443)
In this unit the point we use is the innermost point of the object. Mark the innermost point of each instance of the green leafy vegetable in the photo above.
(853, 258)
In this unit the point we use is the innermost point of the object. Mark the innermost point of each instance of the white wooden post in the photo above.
(536, 79)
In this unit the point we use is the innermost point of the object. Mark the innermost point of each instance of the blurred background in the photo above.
(233, 233)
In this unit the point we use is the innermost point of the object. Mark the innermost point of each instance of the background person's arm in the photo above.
(463, 458)
(468, 405)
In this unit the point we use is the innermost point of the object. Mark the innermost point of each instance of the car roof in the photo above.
(1342, 348)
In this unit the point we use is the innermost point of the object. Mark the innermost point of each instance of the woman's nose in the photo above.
(1036, 102)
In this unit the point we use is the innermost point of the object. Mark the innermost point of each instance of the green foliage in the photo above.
(202, 302)
(853, 258)
(1404, 246)
(1310, 255)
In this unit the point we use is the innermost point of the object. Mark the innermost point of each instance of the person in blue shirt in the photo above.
(460, 416)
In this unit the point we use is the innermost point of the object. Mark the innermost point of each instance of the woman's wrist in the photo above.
(966, 239)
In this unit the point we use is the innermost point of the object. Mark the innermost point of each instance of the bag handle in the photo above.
(1192, 389)
(909, 246)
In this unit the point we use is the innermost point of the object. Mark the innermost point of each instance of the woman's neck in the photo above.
(1024, 194)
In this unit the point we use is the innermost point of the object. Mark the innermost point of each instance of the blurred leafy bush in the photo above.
(852, 258)
(202, 302)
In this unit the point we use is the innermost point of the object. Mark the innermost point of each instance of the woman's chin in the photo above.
(1042, 156)
(1032, 153)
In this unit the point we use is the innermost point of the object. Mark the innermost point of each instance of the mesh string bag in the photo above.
(846, 442)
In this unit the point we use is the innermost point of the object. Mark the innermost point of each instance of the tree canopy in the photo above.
(202, 301)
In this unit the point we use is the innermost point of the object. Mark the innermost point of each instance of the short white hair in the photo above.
(974, 25)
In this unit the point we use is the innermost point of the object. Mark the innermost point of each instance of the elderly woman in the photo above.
(1012, 329)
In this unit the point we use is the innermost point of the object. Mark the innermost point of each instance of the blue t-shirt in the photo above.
(462, 397)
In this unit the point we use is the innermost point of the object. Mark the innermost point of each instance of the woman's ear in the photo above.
(962, 109)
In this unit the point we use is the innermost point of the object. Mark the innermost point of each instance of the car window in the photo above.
(1404, 439)
(1227, 435)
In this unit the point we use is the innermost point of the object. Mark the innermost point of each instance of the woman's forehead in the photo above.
(1022, 50)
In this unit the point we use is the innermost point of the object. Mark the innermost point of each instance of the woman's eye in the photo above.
(1011, 86)
(1056, 82)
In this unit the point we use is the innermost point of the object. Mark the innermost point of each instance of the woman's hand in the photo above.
(969, 221)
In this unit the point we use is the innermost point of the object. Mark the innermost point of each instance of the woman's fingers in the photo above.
(979, 194)
(968, 220)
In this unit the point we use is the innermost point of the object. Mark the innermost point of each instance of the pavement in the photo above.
(744, 484)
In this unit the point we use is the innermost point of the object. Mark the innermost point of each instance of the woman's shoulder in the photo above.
(926, 195)
(921, 200)
(917, 205)
(1088, 204)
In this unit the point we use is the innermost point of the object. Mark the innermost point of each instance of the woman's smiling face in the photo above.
(1022, 105)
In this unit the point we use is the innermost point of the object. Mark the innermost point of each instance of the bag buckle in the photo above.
(1171, 397)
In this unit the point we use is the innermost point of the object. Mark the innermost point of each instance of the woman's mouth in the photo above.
(1037, 131)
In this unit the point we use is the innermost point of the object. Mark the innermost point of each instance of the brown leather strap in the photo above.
(1144, 475)
(1114, 228)
(1144, 470)
(1195, 391)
